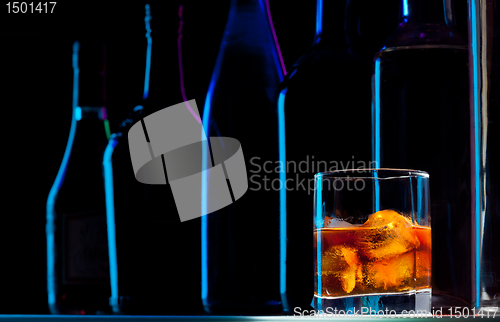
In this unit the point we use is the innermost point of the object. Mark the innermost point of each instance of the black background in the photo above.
(36, 87)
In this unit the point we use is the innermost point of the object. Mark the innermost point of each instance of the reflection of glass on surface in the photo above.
(367, 257)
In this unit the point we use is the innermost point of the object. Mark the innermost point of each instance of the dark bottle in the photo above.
(155, 264)
(77, 248)
(325, 103)
(240, 243)
(125, 203)
(421, 120)
(484, 78)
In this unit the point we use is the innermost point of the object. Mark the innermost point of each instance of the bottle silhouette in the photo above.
(240, 243)
(421, 120)
(124, 205)
(77, 255)
(325, 104)
(484, 72)
(155, 266)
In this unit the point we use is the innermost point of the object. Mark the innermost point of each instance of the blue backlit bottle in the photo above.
(240, 243)
(154, 258)
(422, 120)
(77, 252)
(484, 76)
(325, 102)
(125, 197)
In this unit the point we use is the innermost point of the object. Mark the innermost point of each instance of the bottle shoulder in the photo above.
(82, 185)
(327, 65)
(408, 35)
(245, 75)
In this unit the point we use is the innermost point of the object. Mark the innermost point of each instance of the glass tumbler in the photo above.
(372, 242)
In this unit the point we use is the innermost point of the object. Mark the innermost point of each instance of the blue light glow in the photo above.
(110, 220)
(405, 8)
(283, 232)
(319, 219)
(376, 132)
(204, 178)
(78, 113)
(204, 226)
(50, 225)
(147, 20)
(376, 114)
(476, 99)
(420, 195)
(319, 17)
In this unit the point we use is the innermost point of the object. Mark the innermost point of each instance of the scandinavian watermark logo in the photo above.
(264, 174)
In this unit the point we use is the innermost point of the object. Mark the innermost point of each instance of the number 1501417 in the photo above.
(30, 7)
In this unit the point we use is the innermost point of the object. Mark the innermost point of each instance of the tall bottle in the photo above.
(421, 120)
(484, 76)
(125, 258)
(77, 254)
(325, 100)
(154, 262)
(125, 203)
(240, 243)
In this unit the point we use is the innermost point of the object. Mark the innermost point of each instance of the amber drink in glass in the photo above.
(372, 242)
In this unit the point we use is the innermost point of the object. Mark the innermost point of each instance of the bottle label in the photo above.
(85, 248)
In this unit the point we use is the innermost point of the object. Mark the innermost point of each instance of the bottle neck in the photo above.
(92, 123)
(246, 15)
(92, 74)
(427, 12)
(425, 23)
(243, 12)
(330, 22)
(247, 30)
(246, 4)
(356, 24)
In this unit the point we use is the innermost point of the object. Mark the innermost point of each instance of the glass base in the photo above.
(415, 303)
(490, 306)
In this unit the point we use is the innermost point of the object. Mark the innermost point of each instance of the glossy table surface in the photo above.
(112, 318)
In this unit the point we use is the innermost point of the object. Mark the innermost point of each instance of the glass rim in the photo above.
(362, 173)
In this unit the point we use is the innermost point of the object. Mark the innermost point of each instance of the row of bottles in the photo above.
(123, 251)
(115, 245)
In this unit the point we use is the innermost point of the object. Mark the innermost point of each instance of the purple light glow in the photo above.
(275, 38)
